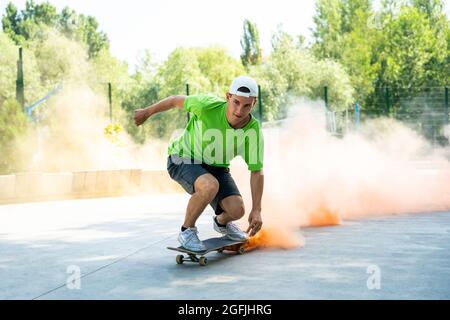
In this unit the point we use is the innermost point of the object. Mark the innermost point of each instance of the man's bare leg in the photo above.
(206, 188)
(234, 209)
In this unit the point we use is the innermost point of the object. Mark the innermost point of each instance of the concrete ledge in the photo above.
(90, 181)
(28, 184)
(102, 181)
(7, 186)
(37, 186)
(78, 179)
(56, 184)
(159, 181)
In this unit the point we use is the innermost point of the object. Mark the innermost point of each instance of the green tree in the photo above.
(8, 67)
(408, 56)
(23, 26)
(327, 32)
(390, 7)
(88, 32)
(145, 68)
(68, 22)
(438, 66)
(13, 125)
(142, 91)
(355, 14)
(345, 31)
(359, 36)
(218, 67)
(407, 46)
(43, 13)
(58, 58)
(104, 69)
(434, 9)
(251, 51)
(11, 23)
(206, 70)
(181, 68)
(8, 72)
(292, 71)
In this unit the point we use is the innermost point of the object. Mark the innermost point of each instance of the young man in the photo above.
(199, 158)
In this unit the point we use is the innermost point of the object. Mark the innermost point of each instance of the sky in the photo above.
(162, 25)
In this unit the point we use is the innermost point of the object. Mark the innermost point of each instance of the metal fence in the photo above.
(423, 109)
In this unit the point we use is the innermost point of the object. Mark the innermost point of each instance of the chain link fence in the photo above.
(423, 109)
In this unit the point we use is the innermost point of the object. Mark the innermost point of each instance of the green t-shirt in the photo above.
(209, 138)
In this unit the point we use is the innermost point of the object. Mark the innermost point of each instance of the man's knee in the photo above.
(207, 186)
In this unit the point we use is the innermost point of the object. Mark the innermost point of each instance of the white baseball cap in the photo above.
(244, 86)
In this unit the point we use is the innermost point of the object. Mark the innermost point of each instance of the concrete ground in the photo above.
(119, 246)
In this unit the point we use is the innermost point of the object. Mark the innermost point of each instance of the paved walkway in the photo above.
(119, 246)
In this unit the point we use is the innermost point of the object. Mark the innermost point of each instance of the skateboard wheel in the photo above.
(241, 250)
(220, 250)
(179, 259)
(203, 261)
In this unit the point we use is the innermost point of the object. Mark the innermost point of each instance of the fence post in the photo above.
(110, 101)
(20, 94)
(260, 106)
(187, 93)
(346, 120)
(446, 105)
(357, 115)
(325, 96)
(388, 103)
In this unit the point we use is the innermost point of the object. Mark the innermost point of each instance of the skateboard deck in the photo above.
(213, 244)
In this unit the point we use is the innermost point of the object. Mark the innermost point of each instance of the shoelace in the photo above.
(193, 233)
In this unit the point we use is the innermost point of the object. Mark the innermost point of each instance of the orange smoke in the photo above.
(315, 179)
(324, 217)
(273, 237)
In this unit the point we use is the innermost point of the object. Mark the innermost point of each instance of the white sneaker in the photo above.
(190, 241)
(231, 231)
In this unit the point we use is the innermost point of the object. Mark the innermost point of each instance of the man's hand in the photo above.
(255, 222)
(140, 116)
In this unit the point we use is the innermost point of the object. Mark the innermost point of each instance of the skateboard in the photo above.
(213, 244)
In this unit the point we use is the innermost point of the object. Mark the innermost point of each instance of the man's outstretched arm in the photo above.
(257, 187)
(141, 115)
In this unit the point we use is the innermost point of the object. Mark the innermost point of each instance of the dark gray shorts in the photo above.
(185, 172)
